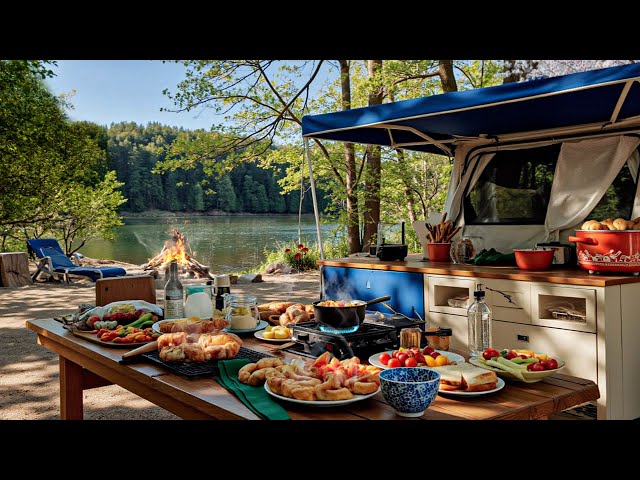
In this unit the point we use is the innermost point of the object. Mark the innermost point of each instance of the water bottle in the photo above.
(479, 317)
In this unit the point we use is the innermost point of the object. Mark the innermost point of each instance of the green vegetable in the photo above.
(511, 364)
(503, 353)
(146, 324)
(143, 319)
(516, 372)
(524, 361)
(107, 325)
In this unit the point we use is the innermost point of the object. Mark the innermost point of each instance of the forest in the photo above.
(133, 151)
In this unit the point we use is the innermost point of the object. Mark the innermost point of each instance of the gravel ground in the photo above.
(29, 373)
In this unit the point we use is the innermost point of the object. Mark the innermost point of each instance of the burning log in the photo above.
(176, 249)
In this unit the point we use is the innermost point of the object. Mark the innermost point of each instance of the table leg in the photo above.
(71, 381)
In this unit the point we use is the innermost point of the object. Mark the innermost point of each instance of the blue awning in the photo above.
(433, 124)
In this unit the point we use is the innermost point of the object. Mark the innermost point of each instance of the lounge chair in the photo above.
(51, 259)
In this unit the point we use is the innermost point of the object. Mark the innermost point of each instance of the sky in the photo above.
(124, 90)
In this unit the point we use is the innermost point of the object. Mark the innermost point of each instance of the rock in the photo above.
(250, 278)
(277, 268)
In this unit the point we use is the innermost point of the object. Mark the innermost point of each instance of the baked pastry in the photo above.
(180, 347)
(296, 313)
(620, 224)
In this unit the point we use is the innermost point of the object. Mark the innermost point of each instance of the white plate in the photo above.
(156, 326)
(320, 403)
(529, 376)
(453, 357)
(261, 325)
(462, 393)
(259, 336)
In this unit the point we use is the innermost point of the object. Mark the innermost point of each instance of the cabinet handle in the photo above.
(523, 338)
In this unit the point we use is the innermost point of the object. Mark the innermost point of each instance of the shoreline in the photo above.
(208, 213)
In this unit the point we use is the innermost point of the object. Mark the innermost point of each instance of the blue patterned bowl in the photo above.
(409, 390)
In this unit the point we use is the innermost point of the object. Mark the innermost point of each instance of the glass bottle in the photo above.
(221, 287)
(173, 302)
(479, 317)
(242, 311)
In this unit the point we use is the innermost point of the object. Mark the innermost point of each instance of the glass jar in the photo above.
(465, 248)
(439, 338)
(410, 337)
(241, 311)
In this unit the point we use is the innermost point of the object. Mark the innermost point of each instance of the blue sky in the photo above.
(123, 90)
(108, 91)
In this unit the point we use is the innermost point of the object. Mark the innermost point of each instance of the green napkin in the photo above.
(492, 257)
(256, 398)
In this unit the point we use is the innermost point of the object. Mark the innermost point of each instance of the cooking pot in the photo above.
(343, 319)
(608, 250)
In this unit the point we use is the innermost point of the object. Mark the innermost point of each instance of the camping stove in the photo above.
(364, 342)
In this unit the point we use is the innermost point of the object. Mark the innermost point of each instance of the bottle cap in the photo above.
(222, 281)
(479, 293)
(444, 332)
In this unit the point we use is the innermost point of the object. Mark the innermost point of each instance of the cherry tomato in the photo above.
(535, 367)
(384, 358)
(434, 354)
(420, 358)
(402, 357)
(394, 363)
(490, 353)
(410, 353)
(410, 362)
(511, 354)
(395, 353)
(550, 364)
(524, 357)
(427, 351)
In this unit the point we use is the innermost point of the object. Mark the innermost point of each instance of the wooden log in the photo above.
(14, 269)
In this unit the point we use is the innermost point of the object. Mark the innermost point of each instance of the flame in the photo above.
(176, 250)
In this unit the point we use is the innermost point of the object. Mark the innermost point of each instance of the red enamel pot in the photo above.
(608, 250)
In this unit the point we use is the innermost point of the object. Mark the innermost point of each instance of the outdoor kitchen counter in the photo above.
(414, 263)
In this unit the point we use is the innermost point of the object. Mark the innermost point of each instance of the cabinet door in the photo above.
(405, 288)
(459, 330)
(442, 288)
(577, 349)
(546, 301)
(509, 300)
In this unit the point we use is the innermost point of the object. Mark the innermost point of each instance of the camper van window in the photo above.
(514, 188)
(617, 202)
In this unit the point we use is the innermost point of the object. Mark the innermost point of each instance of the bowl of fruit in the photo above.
(519, 365)
(414, 357)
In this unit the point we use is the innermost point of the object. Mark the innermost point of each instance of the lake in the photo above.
(225, 243)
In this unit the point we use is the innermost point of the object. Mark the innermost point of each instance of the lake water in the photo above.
(225, 243)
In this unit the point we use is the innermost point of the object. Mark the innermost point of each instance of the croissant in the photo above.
(294, 314)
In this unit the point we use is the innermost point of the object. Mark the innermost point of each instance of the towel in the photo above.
(494, 258)
(256, 398)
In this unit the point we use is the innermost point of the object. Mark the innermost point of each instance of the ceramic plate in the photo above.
(156, 326)
(529, 377)
(453, 357)
(259, 336)
(261, 325)
(462, 393)
(320, 403)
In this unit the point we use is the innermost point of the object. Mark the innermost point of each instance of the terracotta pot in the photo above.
(608, 250)
(528, 259)
(439, 252)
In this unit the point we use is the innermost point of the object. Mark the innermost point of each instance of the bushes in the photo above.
(301, 257)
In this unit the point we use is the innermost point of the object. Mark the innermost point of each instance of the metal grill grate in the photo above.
(193, 370)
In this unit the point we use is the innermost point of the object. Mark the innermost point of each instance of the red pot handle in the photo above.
(585, 240)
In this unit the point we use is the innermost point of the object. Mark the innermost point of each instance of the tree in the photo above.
(198, 198)
(227, 195)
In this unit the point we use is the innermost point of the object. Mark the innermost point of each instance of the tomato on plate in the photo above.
(419, 358)
(403, 357)
(550, 364)
(511, 355)
(384, 358)
(427, 351)
(535, 367)
(394, 363)
(410, 362)
(490, 353)
(434, 354)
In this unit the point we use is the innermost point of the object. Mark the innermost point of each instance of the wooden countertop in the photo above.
(414, 263)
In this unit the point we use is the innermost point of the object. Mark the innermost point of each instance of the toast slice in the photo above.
(466, 377)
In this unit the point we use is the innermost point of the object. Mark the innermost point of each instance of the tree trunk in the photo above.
(14, 269)
(447, 79)
(372, 178)
(353, 227)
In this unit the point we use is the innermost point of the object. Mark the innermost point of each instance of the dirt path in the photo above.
(29, 373)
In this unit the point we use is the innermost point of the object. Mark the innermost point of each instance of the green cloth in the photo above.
(494, 258)
(256, 398)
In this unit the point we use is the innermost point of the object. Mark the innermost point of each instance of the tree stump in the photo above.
(14, 269)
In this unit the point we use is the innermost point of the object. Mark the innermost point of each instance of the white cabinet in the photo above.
(546, 298)
(441, 288)
(509, 300)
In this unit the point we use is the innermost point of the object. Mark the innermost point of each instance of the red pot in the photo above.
(528, 259)
(608, 250)
(439, 252)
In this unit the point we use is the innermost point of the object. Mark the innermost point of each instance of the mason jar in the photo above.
(241, 311)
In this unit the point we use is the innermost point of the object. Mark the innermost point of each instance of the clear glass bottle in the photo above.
(173, 294)
(479, 317)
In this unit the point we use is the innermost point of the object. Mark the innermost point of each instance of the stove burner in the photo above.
(338, 331)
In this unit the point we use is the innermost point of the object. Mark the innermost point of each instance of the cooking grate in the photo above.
(193, 370)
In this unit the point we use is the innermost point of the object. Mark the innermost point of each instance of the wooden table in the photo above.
(85, 365)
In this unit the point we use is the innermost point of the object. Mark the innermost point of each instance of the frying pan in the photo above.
(343, 319)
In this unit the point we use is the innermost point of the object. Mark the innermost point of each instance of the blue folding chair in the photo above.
(51, 259)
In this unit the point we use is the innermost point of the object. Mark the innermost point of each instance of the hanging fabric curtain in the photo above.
(634, 166)
(584, 171)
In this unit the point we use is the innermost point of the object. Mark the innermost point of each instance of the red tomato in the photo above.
(427, 351)
(524, 357)
(410, 362)
(535, 367)
(420, 358)
(490, 353)
(511, 354)
(410, 353)
(394, 363)
(395, 353)
(384, 358)
(402, 357)
(435, 354)
(550, 364)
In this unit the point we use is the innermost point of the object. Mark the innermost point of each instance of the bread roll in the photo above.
(587, 224)
(619, 224)
(598, 226)
(609, 223)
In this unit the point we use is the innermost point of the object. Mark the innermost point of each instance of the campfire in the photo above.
(178, 249)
